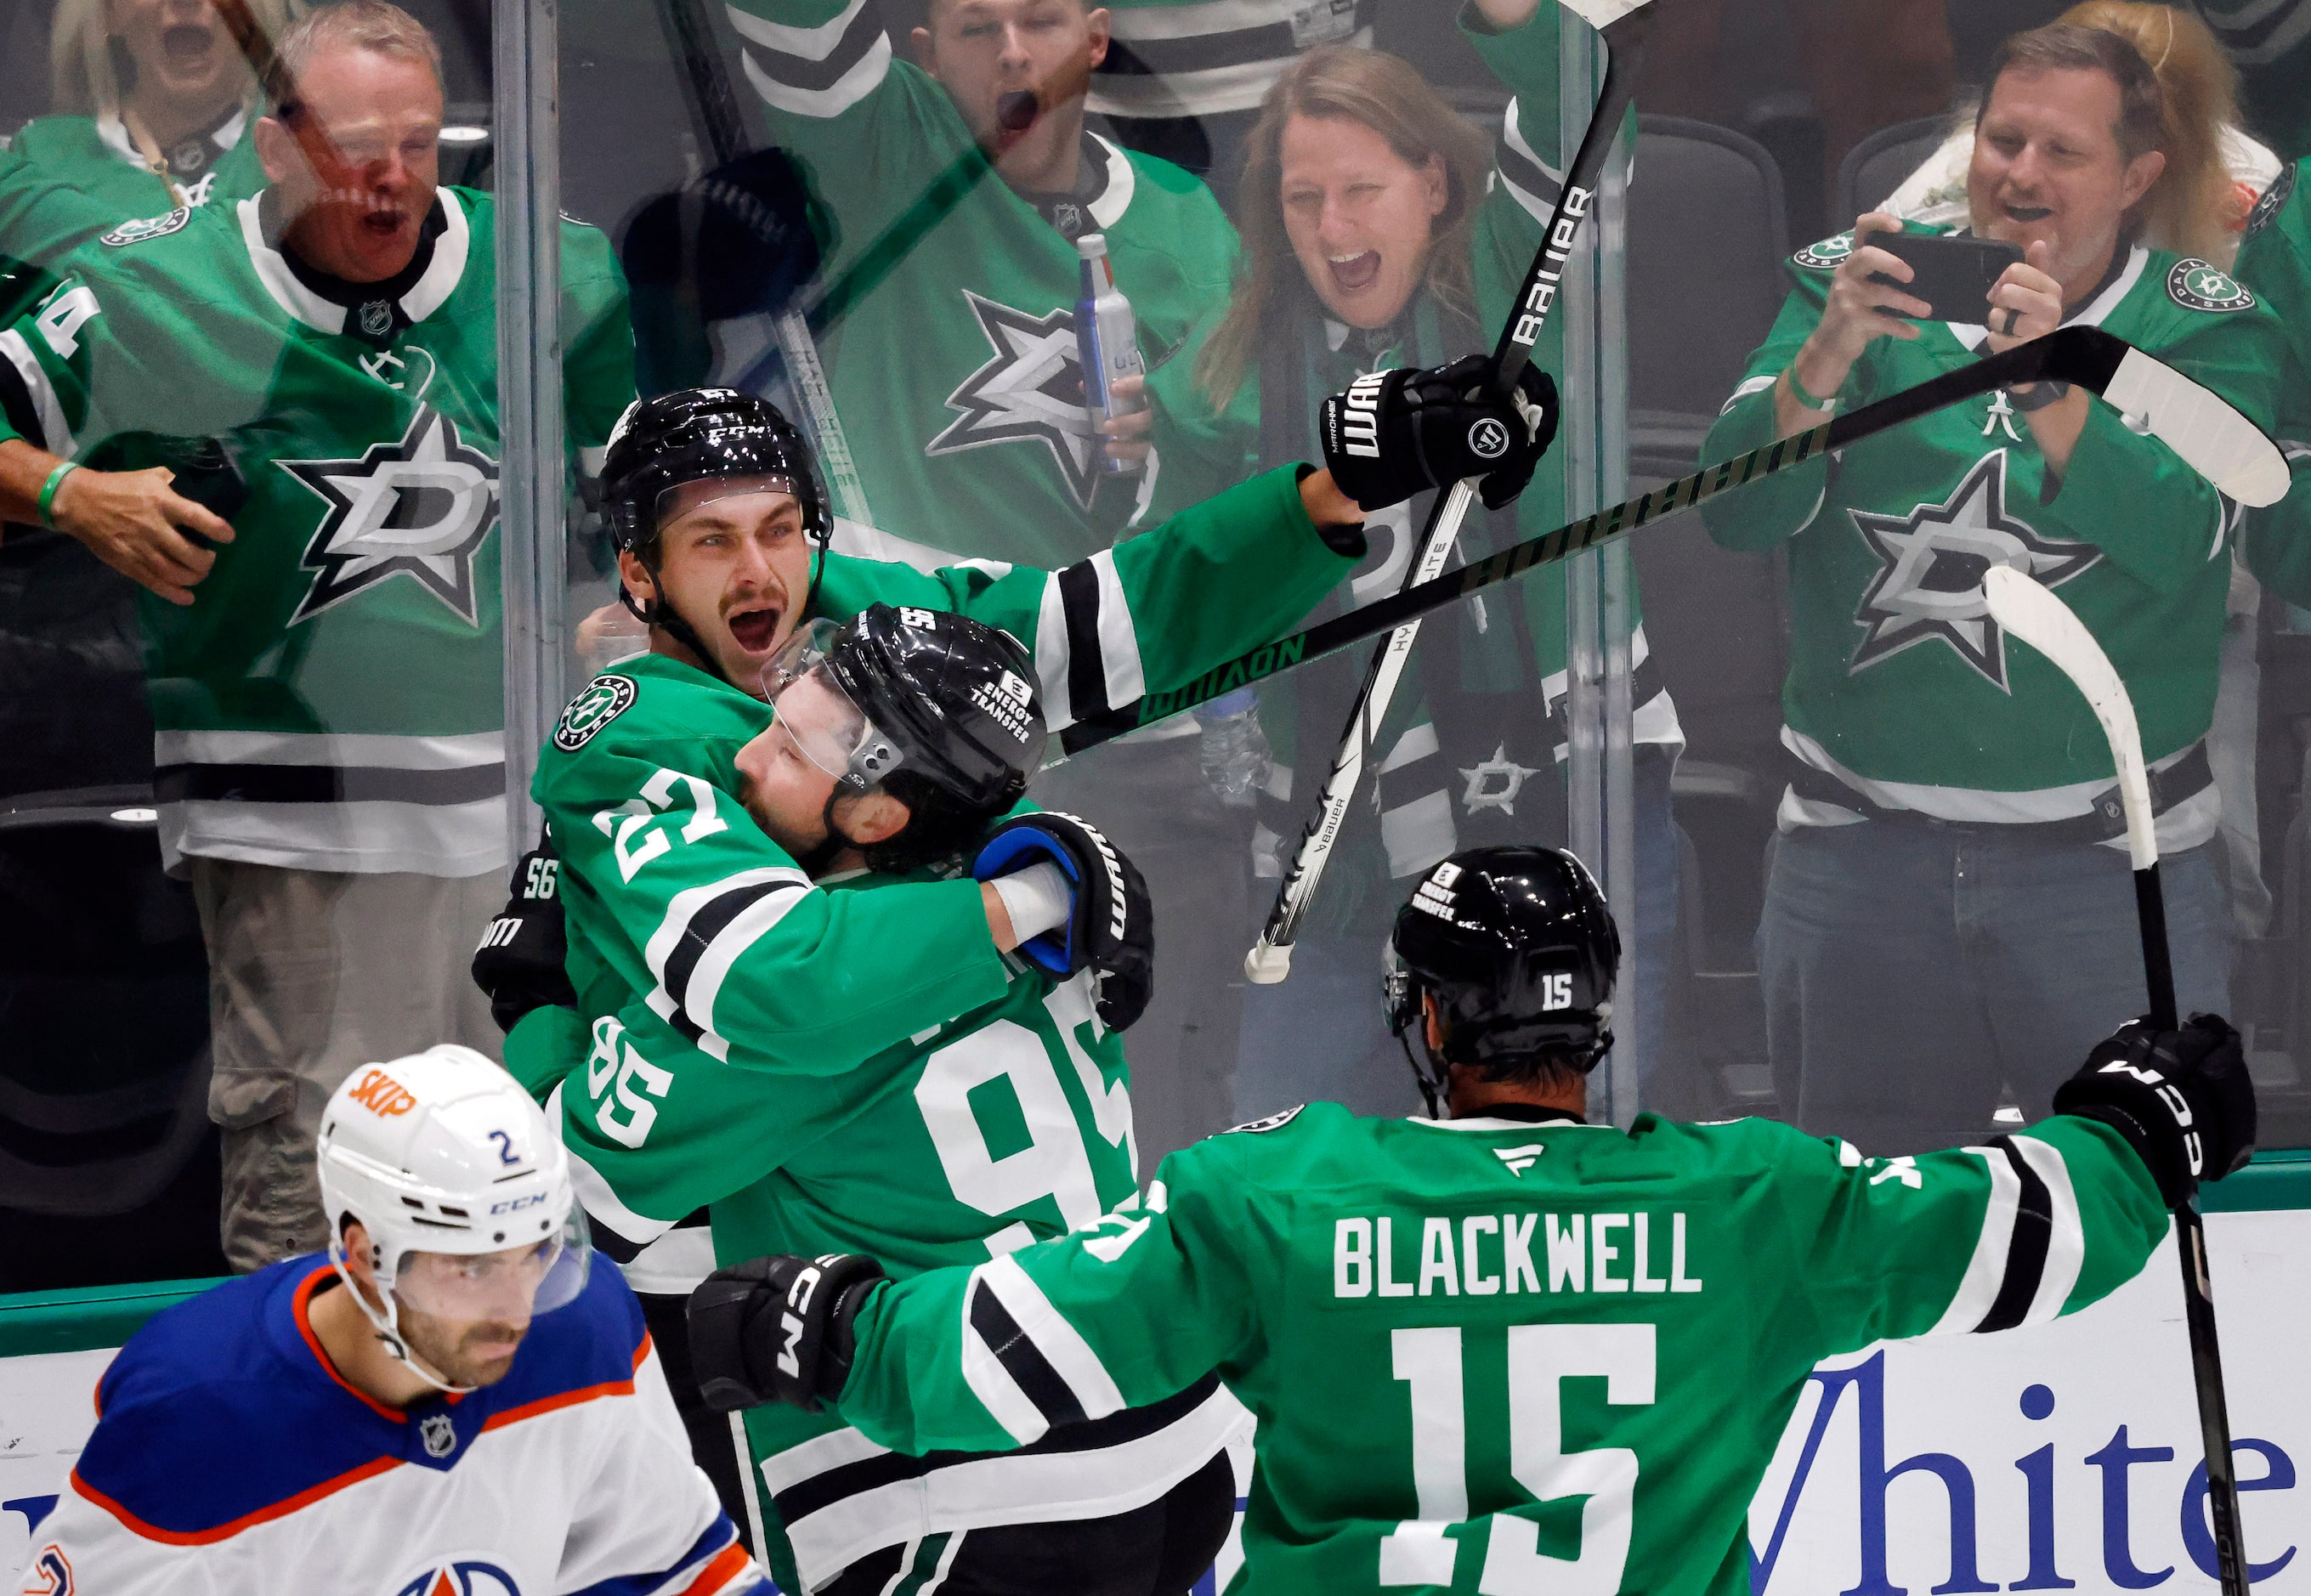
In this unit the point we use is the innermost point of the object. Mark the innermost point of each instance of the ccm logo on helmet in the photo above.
(383, 1096)
(519, 1203)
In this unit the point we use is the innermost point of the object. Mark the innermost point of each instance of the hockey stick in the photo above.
(2026, 608)
(2202, 428)
(716, 109)
(1624, 22)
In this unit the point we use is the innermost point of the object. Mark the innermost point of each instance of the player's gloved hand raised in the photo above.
(2182, 1098)
(1110, 928)
(778, 1329)
(520, 961)
(1395, 433)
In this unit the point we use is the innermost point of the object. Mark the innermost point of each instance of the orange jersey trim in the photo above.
(726, 1565)
(282, 1509)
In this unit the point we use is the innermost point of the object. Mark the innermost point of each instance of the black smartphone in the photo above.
(1954, 273)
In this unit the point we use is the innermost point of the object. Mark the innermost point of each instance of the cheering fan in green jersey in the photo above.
(837, 1058)
(1947, 913)
(2275, 259)
(280, 417)
(1502, 1351)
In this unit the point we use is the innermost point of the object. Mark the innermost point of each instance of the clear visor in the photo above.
(513, 1285)
(829, 729)
(685, 499)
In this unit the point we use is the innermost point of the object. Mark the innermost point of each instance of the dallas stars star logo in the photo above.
(1494, 784)
(1932, 561)
(1031, 392)
(420, 506)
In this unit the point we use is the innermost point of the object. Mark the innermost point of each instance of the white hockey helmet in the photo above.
(460, 1183)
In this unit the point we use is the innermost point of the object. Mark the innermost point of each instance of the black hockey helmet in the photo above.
(661, 443)
(935, 708)
(1521, 953)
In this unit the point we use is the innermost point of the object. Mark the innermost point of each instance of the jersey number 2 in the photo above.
(1417, 1552)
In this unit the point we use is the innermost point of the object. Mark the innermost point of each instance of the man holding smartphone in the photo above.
(1948, 907)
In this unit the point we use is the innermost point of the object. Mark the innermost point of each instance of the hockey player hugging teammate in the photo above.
(316, 364)
(1503, 1351)
(1947, 911)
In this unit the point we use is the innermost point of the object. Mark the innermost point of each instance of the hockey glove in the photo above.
(2181, 1098)
(1111, 926)
(777, 1329)
(520, 961)
(1394, 434)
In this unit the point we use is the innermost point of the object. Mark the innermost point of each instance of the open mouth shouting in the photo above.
(188, 43)
(1352, 274)
(1014, 112)
(755, 629)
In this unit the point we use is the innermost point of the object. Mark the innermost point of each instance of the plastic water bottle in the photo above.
(1236, 759)
(1107, 342)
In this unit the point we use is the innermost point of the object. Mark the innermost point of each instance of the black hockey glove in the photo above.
(777, 1329)
(520, 961)
(1111, 926)
(2181, 1098)
(1395, 433)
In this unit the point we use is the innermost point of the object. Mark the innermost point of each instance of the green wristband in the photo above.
(49, 491)
(1798, 387)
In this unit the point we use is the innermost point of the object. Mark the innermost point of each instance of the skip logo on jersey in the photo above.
(460, 1576)
(1931, 566)
(419, 507)
(1031, 391)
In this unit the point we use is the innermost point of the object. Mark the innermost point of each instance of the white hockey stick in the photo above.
(2029, 611)
(2199, 425)
(1623, 22)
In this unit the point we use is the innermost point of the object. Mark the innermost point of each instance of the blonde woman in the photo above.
(151, 98)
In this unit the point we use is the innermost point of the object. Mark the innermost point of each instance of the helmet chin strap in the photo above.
(387, 1324)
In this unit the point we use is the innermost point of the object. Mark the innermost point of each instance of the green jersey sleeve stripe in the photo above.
(1028, 1365)
(704, 930)
(2066, 1237)
(1530, 181)
(2031, 1245)
(818, 71)
(40, 394)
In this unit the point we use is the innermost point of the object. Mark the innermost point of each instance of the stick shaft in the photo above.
(1536, 296)
(2157, 968)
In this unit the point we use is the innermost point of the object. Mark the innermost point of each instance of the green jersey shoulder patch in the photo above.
(2199, 285)
(1275, 1122)
(148, 228)
(603, 700)
(2274, 200)
(1825, 256)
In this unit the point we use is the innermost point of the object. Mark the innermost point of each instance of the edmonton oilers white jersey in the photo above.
(230, 1459)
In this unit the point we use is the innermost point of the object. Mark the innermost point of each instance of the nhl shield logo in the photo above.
(603, 699)
(439, 1435)
(376, 318)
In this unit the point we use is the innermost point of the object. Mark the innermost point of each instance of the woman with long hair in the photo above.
(1380, 232)
(149, 102)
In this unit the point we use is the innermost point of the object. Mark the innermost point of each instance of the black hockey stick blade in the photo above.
(1625, 24)
(2085, 356)
(2027, 609)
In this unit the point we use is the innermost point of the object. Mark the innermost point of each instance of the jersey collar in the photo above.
(1499, 1122)
(426, 295)
(2120, 283)
(1107, 208)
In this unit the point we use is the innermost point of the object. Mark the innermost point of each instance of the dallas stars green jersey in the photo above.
(851, 1065)
(1170, 59)
(1901, 687)
(2269, 43)
(332, 699)
(1491, 1355)
(947, 324)
(97, 156)
(2275, 260)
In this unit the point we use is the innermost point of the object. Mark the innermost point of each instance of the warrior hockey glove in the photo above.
(519, 961)
(2181, 1098)
(778, 1329)
(1110, 929)
(1395, 433)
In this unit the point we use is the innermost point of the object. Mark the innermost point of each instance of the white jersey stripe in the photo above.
(990, 1382)
(349, 749)
(744, 929)
(812, 44)
(1059, 1342)
(58, 437)
(844, 93)
(1119, 641)
(679, 911)
(1052, 657)
(2066, 1240)
(1985, 1271)
(837, 1448)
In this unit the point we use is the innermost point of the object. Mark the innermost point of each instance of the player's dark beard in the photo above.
(819, 855)
(431, 1339)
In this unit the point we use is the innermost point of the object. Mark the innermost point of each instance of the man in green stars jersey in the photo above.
(280, 415)
(1948, 909)
(1502, 1351)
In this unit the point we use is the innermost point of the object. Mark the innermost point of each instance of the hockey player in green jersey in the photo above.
(1947, 911)
(315, 368)
(1503, 1350)
(731, 997)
